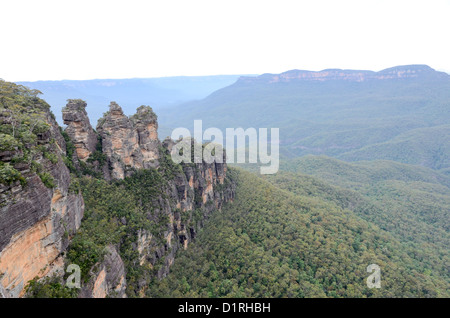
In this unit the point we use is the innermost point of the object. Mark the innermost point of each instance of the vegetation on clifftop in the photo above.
(24, 124)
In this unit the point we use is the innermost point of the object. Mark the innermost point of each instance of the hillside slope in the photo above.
(276, 243)
(347, 114)
(412, 203)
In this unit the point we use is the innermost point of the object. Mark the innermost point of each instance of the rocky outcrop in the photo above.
(129, 143)
(79, 128)
(200, 179)
(146, 126)
(40, 211)
(196, 191)
(109, 280)
(186, 198)
(36, 219)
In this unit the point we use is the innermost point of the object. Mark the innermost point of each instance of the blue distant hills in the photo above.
(401, 113)
(128, 93)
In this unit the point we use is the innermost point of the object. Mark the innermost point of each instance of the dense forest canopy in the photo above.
(277, 243)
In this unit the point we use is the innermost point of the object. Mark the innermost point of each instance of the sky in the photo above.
(79, 40)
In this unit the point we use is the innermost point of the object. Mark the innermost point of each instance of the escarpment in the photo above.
(138, 207)
(394, 73)
(39, 211)
(181, 199)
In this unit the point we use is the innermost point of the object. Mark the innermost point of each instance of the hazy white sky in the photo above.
(65, 39)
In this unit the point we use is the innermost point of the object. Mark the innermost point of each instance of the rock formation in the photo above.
(36, 221)
(39, 216)
(109, 280)
(144, 121)
(129, 143)
(198, 187)
(79, 128)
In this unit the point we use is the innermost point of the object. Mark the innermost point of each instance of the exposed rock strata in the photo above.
(79, 128)
(36, 222)
(129, 143)
(198, 187)
(132, 143)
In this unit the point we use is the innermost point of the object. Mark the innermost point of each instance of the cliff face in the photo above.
(129, 142)
(38, 213)
(79, 128)
(109, 280)
(41, 206)
(146, 126)
(200, 187)
(185, 199)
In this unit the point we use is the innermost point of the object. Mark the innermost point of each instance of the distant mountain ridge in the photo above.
(400, 113)
(398, 72)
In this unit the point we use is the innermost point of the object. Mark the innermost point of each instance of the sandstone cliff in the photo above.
(79, 128)
(42, 173)
(129, 142)
(38, 211)
(109, 279)
(185, 197)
